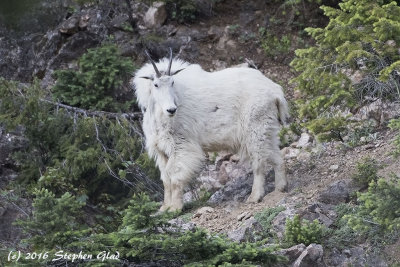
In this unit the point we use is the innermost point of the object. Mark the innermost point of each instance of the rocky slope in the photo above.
(319, 174)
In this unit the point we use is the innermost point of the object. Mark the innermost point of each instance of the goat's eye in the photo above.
(156, 85)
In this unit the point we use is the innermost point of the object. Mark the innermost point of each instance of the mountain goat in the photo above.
(189, 111)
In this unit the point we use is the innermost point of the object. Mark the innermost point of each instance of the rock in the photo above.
(181, 225)
(219, 65)
(279, 222)
(200, 212)
(247, 232)
(304, 141)
(311, 257)
(234, 158)
(119, 21)
(204, 7)
(292, 253)
(304, 156)
(209, 181)
(155, 15)
(69, 26)
(240, 180)
(334, 167)
(222, 156)
(379, 111)
(243, 216)
(324, 213)
(84, 21)
(355, 256)
(214, 32)
(290, 153)
(337, 192)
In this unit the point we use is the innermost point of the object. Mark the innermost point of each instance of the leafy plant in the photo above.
(302, 231)
(145, 236)
(395, 125)
(342, 235)
(367, 172)
(361, 38)
(272, 44)
(266, 217)
(74, 153)
(182, 10)
(361, 134)
(56, 221)
(99, 82)
(379, 207)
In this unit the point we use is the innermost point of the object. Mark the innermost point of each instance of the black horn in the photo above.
(170, 62)
(154, 64)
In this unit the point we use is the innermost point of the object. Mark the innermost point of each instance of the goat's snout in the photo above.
(171, 111)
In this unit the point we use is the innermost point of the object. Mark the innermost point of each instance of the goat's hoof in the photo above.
(282, 188)
(254, 199)
(163, 208)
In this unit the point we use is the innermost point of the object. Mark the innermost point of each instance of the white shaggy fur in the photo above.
(236, 109)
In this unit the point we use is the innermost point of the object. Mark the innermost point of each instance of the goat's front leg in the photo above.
(167, 193)
(182, 167)
(162, 164)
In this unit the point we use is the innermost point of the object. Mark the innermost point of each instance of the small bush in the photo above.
(99, 82)
(367, 171)
(266, 217)
(272, 44)
(182, 10)
(145, 236)
(55, 222)
(361, 39)
(342, 235)
(395, 125)
(302, 231)
(379, 207)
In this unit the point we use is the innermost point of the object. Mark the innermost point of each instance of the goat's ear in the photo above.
(147, 77)
(176, 72)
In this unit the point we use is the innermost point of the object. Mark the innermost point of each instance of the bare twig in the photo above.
(134, 115)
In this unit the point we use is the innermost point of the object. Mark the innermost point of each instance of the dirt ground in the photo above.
(307, 180)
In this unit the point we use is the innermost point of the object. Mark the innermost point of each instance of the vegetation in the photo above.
(98, 84)
(367, 172)
(83, 163)
(341, 235)
(379, 207)
(266, 217)
(361, 39)
(299, 231)
(395, 125)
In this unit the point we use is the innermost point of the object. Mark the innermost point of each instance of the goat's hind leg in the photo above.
(257, 191)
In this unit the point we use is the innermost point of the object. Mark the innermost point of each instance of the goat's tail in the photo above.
(283, 110)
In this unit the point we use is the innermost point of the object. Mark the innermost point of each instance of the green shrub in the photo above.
(395, 125)
(55, 222)
(364, 130)
(99, 82)
(181, 10)
(379, 208)
(272, 44)
(69, 152)
(266, 217)
(341, 235)
(361, 37)
(302, 231)
(367, 171)
(147, 236)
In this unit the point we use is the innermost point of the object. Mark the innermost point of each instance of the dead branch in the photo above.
(133, 116)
